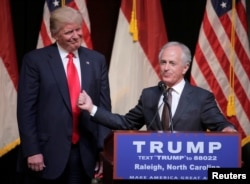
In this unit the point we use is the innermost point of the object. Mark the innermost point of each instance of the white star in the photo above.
(223, 4)
(56, 3)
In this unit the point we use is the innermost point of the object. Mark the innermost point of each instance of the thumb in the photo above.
(83, 92)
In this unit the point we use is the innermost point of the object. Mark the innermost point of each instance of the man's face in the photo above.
(70, 37)
(171, 66)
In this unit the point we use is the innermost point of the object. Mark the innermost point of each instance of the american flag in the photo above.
(45, 38)
(221, 61)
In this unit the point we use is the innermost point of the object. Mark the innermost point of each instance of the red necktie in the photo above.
(74, 90)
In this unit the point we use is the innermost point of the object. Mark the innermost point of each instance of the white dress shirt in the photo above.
(176, 94)
(63, 54)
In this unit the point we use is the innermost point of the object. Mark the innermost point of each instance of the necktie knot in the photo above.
(70, 56)
(169, 91)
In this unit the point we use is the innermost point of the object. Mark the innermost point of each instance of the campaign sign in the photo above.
(173, 156)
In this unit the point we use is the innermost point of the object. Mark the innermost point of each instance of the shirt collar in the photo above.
(63, 53)
(178, 88)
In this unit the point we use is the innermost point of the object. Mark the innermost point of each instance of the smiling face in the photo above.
(69, 37)
(172, 66)
(66, 28)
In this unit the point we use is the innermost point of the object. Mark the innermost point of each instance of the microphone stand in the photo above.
(156, 113)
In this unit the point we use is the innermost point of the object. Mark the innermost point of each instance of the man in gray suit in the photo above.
(52, 150)
(192, 108)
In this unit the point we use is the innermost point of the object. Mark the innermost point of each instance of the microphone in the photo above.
(162, 86)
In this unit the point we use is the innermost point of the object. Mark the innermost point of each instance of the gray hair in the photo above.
(64, 15)
(186, 54)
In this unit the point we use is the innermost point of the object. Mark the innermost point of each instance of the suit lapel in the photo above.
(58, 71)
(184, 102)
(85, 64)
(156, 124)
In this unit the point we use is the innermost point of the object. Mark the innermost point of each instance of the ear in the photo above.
(185, 68)
(54, 36)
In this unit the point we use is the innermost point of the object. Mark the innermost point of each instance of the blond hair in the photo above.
(64, 15)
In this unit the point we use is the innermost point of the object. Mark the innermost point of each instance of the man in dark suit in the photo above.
(192, 108)
(49, 153)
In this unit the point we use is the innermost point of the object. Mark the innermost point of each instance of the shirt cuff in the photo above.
(93, 111)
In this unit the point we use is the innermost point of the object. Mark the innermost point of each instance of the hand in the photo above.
(35, 162)
(85, 102)
(99, 170)
(229, 129)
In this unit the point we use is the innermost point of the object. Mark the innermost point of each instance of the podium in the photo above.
(159, 157)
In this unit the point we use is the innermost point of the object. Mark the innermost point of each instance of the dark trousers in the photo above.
(73, 174)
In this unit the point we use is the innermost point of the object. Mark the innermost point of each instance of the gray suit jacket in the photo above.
(197, 111)
(44, 111)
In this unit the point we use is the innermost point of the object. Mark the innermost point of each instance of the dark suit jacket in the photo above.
(44, 110)
(196, 111)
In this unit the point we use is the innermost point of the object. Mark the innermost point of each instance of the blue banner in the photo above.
(173, 156)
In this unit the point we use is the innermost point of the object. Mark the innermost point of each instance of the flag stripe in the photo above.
(46, 39)
(241, 11)
(238, 42)
(212, 59)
